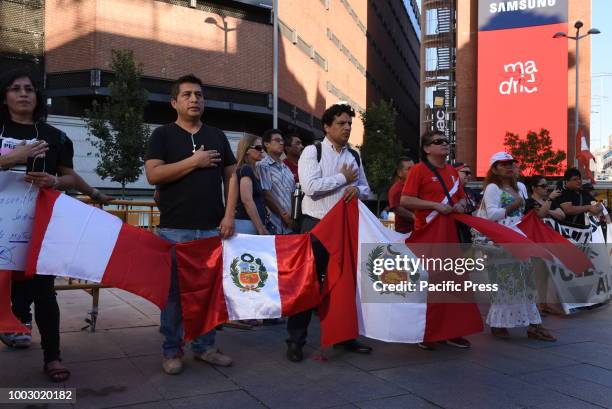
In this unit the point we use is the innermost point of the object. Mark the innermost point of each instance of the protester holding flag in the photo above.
(514, 304)
(328, 171)
(189, 162)
(574, 201)
(46, 156)
(541, 200)
(433, 187)
(251, 207)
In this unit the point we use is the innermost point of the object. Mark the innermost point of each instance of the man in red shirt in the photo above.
(404, 218)
(423, 192)
(429, 196)
(293, 150)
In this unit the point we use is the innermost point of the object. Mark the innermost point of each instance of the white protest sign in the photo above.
(17, 206)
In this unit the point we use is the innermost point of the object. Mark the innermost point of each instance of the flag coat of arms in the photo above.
(245, 277)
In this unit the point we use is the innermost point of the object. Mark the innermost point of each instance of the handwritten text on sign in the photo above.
(17, 205)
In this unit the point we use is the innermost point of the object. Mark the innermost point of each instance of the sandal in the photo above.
(57, 374)
(501, 333)
(540, 333)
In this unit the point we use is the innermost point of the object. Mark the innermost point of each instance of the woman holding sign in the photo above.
(44, 154)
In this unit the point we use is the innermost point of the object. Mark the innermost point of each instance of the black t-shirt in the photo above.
(576, 198)
(258, 198)
(60, 151)
(194, 201)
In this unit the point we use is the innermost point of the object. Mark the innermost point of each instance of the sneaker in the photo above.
(172, 366)
(214, 357)
(19, 340)
(459, 343)
(427, 346)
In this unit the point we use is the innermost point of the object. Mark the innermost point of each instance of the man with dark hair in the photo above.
(277, 182)
(574, 201)
(326, 178)
(293, 149)
(189, 162)
(404, 218)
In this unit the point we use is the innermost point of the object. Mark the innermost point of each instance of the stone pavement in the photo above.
(119, 366)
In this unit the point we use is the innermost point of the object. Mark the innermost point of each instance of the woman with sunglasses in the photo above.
(251, 207)
(513, 305)
(427, 190)
(541, 199)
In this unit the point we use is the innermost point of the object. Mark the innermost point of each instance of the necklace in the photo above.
(193, 143)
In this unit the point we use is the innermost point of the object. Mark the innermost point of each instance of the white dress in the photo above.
(514, 304)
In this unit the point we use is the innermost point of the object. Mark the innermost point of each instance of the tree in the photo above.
(535, 154)
(380, 150)
(117, 127)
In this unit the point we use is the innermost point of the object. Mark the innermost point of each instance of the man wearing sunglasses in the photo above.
(471, 198)
(190, 162)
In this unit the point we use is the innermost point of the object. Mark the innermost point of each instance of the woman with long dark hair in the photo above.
(514, 304)
(45, 153)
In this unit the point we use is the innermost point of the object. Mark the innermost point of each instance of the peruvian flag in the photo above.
(350, 305)
(73, 239)
(8, 322)
(244, 277)
(584, 155)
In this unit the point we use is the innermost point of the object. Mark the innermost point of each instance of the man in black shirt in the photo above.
(190, 162)
(575, 202)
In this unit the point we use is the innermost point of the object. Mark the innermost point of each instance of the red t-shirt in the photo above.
(423, 183)
(293, 167)
(394, 195)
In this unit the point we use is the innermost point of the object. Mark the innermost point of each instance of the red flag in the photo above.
(8, 322)
(584, 155)
(246, 277)
(73, 239)
(338, 231)
(569, 254)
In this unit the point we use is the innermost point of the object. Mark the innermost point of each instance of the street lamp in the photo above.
(578, 25)
(213, 21)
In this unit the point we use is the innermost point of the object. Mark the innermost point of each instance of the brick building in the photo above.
(330, 50)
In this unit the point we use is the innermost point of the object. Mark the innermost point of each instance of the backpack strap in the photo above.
(351, 150)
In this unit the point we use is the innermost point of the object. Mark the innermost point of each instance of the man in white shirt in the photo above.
(328, 171)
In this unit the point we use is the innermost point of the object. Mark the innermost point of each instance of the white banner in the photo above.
(17, 205)
(594, 285)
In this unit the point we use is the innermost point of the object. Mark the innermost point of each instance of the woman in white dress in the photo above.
(514, 304)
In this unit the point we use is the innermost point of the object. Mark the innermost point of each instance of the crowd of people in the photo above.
(203, 190)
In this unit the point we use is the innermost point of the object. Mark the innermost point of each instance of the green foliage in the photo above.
(380, 150)
(117, 125)
(535, 154)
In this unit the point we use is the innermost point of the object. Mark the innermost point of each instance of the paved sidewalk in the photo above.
(119, 366)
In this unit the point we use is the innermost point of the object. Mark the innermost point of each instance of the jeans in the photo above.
(244, 226)
(171, 318)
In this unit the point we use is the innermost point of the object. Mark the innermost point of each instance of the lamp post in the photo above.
(213, 21)
(578, 25)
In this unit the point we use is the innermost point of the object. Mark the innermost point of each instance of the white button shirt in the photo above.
(322, 183)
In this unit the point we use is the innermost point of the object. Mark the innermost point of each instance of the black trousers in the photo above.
(39, 290)
(297, 325)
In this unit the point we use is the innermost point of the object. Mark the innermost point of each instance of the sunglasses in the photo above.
(441, 141)
(257, 148)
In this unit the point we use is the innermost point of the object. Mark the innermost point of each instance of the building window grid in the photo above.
(303, 46)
